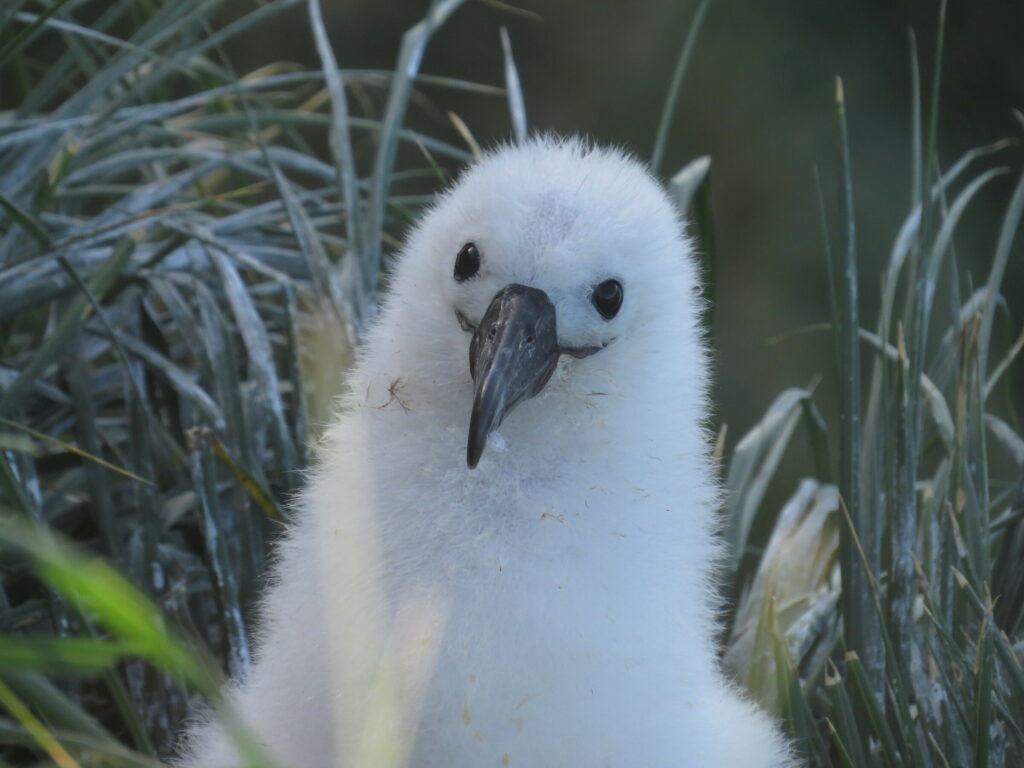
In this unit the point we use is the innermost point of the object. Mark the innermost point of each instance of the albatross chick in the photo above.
(449, 596)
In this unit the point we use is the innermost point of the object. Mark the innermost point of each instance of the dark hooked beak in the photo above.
(512, 356)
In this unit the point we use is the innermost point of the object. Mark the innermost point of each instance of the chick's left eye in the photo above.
(607, 298)
(467, 263)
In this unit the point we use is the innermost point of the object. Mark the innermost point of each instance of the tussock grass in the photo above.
(884, 623)
(183, 278)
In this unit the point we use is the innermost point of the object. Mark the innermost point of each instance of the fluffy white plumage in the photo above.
(552, 607)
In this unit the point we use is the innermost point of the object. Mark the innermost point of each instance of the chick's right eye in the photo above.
(467, 263)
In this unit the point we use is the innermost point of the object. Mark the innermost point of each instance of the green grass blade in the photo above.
(672, 96)
(414, 43)
(77, 30)
(932, 128)
(40, 734)
(904, 515)
(257, 344)
(174, 375)
(55, 343)
(340, 138)
(846, 733)
(54, 706)
(755, 459)
(916, 174)
(215, 528)
(826, 244)
(1007, 233)
(687, 181)
(72, 449)
(96, 589)
(984, 672)
(104, 753)
(27, 222)
(75, 655)
(858, 618)
(83, 400)
(944, 239)
(1004, 364)
(516, 102)
(22, 38)
(868, 707)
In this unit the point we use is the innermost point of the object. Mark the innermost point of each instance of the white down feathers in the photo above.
(554, 606)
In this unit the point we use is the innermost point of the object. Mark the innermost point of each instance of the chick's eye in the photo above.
(467, 263)
(607, 298)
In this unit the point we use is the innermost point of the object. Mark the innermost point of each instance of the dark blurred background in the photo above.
(759, 99)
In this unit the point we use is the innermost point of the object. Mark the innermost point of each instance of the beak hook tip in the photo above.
(473, 456)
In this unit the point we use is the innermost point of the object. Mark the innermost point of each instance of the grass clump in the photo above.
(182, 279)
(884, 620)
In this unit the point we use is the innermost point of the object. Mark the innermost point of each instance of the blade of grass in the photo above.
(754, 462)
(224, 570)
(261, 356)
(27, 222)
(258, 494)
(83, 399)
(74, 655)
(1007, 233)
(1004, 364)
(77, 30)
(904, 517)
(178, 378)
(467, 136)
(513, 10)
(54, 706)
(858, 619)
(687, 181)
(916, 173)
(340, 139)
(42, 736)
(96, 589)
(909, 230)
(869, 709)
(931, 136)
(846, 733)
(920, 286)
(105, 753)
(414, 43)
(513, 90)
(984, 672)
(73, 449)
(22, 38)
(669, 108)
(15, 395)
(300, 404)
(943, 242)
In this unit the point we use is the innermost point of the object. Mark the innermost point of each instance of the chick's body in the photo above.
(552, 607)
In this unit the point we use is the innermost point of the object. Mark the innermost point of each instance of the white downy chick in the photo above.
(439, 603)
